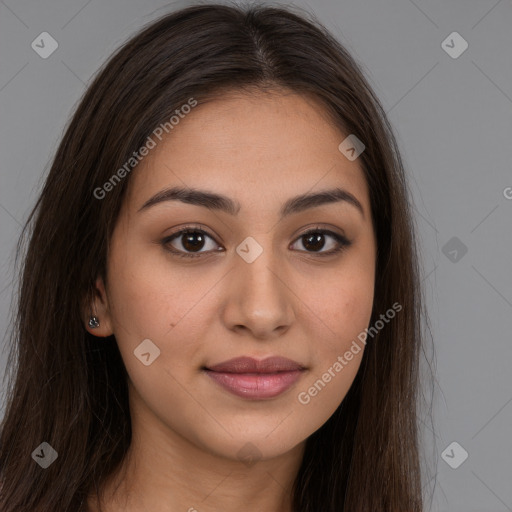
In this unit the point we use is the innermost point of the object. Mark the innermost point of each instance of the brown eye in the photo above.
(315, 240)
(192, 241)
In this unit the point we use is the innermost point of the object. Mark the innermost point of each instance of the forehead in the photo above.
(250, 146)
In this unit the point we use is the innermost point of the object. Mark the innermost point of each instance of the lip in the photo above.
(254, 379)
(250, 365)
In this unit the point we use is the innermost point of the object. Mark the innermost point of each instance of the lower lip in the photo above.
(256, 386)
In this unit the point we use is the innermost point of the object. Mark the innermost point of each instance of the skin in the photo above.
(259, 149)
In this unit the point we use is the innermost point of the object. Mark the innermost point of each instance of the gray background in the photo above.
(453, 120)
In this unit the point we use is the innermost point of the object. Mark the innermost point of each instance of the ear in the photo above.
(100, 309)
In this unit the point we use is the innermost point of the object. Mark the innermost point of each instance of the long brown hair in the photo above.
(70, 391)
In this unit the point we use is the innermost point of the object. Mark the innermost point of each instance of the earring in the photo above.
(94, 322)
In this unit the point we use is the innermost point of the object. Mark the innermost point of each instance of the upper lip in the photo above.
(251, 365)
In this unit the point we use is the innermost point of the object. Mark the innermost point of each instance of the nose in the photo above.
(259, 298)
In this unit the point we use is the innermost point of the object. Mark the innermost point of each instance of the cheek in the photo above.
(345, 307)
(149, 302)
(344, 302)
(139, 302)
(348, 313)
(148, 298)
(343, 296)
(351, 313)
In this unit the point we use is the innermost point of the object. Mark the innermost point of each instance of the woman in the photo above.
(220, 303)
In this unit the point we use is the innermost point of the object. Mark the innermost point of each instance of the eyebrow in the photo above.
(219, 202)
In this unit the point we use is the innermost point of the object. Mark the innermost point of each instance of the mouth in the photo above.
(249, 378)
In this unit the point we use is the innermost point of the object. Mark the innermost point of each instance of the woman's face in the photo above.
(253, 285)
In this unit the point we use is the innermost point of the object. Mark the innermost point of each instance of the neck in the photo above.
(167, 472)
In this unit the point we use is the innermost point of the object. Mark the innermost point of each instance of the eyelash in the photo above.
(343, 242)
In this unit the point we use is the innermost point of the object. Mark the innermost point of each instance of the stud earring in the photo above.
(94, 322)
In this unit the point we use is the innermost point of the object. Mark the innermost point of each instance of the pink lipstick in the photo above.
(249, 378)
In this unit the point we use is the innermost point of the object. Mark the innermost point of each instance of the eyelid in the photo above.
(342, 241)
